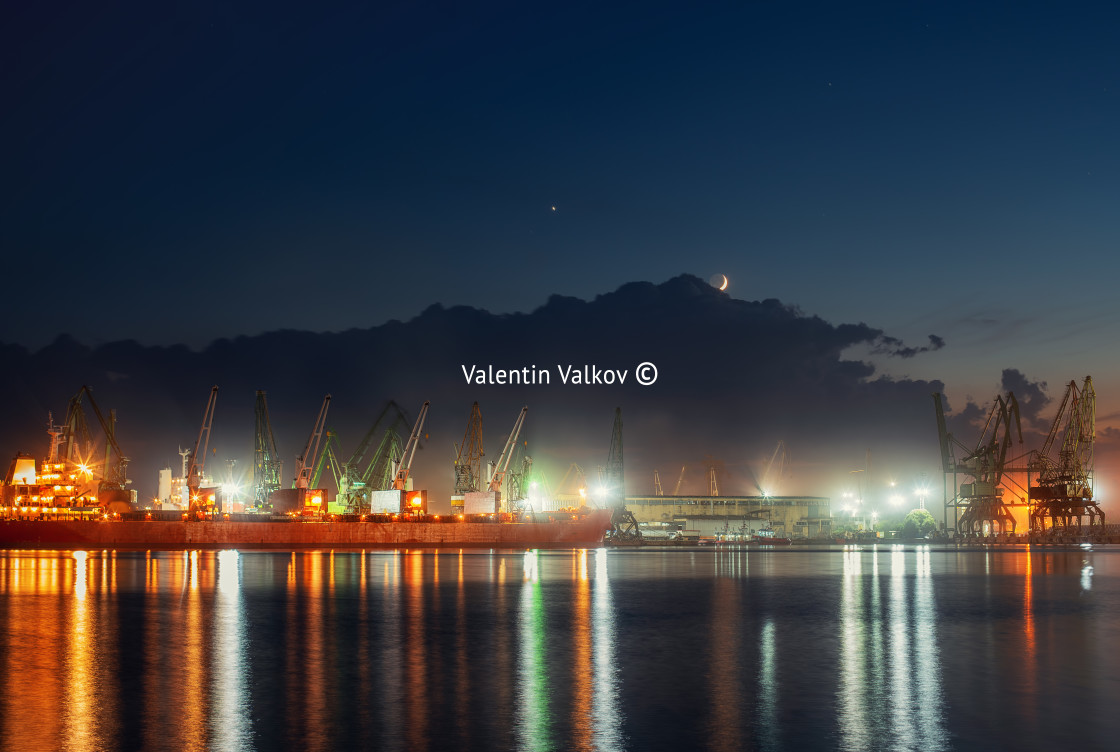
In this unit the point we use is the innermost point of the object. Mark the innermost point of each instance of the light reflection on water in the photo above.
(863, 648)
(890, 689)
(230, 724)
(79, 716)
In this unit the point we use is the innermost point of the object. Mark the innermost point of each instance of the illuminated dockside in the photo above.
(582, 529)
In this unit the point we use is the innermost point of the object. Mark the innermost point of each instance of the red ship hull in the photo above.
(560, 531)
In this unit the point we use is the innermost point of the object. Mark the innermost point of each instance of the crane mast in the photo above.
(614, 480)
(468, 459)
(517, 479)
(624, 527)
(266, 459)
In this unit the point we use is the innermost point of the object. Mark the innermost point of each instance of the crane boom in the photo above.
(507, 452)
(305, 463)
(400, 472)
(680, 479)
(117, 479)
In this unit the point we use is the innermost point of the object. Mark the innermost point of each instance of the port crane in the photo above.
(112, 487)
(1063, 494)
(501, 467)
(305, 462)
(403, 466)
(517, 480)
(372, 468)
(198, 461)
(267, 466)
(624, 527)
(468, 456)
(309, 501)
(987, 463)
(680, 479)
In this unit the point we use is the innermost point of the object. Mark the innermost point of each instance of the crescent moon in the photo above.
(724, 285)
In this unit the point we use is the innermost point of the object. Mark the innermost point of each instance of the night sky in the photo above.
(181, 173)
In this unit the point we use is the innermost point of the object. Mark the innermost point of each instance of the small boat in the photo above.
(767, 537)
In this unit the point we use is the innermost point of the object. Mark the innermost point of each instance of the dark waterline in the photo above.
(885, 647)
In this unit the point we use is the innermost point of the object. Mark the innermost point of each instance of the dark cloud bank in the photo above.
(735, 377)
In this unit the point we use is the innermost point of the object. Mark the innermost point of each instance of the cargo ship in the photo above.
(70, 502)
(156, 531)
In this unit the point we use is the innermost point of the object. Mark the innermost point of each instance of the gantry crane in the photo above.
(988, 464)
(1064, 490)
(624, 528)
(199, 503)
(614, 485)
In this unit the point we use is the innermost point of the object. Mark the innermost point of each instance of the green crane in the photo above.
(371, 466)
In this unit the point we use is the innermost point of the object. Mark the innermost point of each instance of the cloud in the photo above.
(1031, 396)
(885, 345)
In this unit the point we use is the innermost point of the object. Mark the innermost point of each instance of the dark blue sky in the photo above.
(180, 172)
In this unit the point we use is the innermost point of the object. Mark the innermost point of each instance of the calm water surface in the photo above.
(884, 647)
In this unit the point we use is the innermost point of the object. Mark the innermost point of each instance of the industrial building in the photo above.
(731, 516)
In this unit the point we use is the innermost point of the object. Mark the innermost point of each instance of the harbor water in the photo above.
(841, 648)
